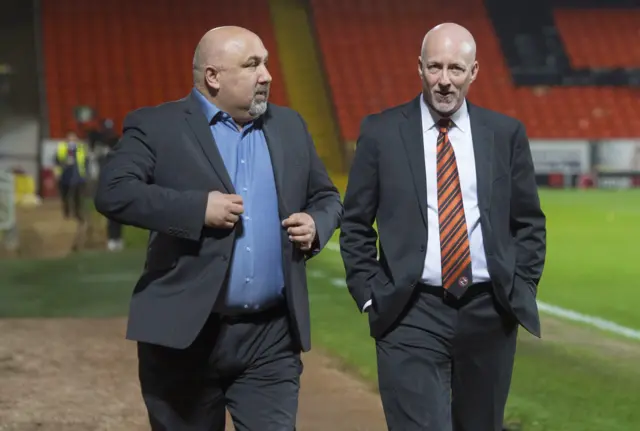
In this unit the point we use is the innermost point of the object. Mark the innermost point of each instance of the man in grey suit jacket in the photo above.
(452, 188)
(236, 199)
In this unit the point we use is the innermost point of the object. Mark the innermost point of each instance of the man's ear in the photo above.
(212, 77)
(474, 70)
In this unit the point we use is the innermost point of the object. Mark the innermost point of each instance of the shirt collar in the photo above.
(210, 111)
(430, 118)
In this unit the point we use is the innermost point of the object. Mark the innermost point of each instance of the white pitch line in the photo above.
(594, 321)
(560, 312)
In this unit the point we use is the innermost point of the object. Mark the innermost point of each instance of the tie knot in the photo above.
(445, 124)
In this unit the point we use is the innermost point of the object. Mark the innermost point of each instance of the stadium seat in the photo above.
(370, 51)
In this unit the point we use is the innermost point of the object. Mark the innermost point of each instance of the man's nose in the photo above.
(265, 76)
(444, 80)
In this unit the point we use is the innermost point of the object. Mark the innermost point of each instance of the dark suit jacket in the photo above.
(158, 178)
(387, 183)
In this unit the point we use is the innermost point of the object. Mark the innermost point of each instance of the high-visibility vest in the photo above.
(62, 153)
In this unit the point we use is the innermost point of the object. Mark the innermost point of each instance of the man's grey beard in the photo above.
(257, 108)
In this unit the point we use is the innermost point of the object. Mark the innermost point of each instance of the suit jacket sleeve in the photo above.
(323, 198)
(358, 237)
(127, 194)
(527, 218)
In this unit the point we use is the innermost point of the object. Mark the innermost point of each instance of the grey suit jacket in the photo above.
(387, 183)
(158, 177)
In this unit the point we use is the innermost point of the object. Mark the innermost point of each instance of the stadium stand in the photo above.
(588, 48)
(370, 51)
(119, 55)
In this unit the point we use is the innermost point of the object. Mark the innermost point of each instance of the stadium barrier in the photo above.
(612, 164)
(8, 226)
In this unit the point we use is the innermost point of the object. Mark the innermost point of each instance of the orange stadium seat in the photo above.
(600, 37)
(119, 55)
(370, 52)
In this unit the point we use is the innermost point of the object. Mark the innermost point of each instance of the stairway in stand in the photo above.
(304, 78)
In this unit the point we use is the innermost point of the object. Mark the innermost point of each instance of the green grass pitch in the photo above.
(575, 380)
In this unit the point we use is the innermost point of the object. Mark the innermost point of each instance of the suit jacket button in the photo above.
(224, 257)
(422, 247)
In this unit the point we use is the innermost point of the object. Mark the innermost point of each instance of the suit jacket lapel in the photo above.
(411, 132)
(276, 152)
(198, 125)
(483, 153)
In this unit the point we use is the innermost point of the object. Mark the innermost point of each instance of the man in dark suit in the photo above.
(236, 199)
(462, 245)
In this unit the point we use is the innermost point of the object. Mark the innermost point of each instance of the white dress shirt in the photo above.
(462, 142)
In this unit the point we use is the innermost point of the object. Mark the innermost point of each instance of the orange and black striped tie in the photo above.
(455, 254)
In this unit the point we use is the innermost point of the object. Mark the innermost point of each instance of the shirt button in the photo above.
(248, 280)
(242, 161)
(248, 248)
(244, 189)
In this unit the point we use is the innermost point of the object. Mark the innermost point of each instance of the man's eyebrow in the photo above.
(257, 58)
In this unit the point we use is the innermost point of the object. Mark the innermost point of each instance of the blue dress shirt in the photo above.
(256, 277)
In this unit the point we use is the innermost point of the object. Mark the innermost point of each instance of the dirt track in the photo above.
(80, 375)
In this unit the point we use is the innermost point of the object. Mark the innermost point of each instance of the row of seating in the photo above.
(118, 55)
(596, 38)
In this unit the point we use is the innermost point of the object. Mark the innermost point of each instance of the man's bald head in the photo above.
(447, 66)
(217, 45)
(229, 69)
(450, 36)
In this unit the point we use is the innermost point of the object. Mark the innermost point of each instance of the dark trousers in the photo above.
(72, 200)
(249, 365)
(447, 364)
(114, 230)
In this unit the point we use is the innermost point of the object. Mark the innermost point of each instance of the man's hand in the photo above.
(301, 229)
(223, 210)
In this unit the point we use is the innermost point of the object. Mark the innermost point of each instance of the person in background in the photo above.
(71, 173)
(103, 141)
